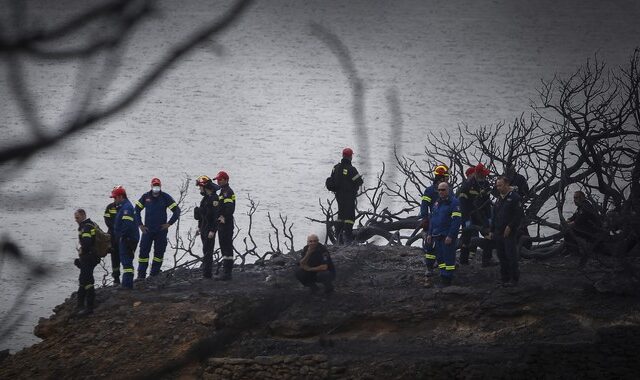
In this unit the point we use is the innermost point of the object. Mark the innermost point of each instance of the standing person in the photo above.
(207, 216)
(109, 217)
(155, 228)
(585, 223)
(476, 208)
(316, 266)
(227, 204)
(517, 181)
(127, 234)
(429, 197)
(507, 216)
(86, 262)
(347, 181)
(443, 231)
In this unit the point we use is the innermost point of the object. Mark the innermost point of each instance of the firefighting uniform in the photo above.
(87, 262)
(128, 236)
(227, 204)
(155, 216)
(348, 182)
(109, 217)
(445, 222)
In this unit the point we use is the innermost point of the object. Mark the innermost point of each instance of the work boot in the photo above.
(222, 277)
(84, 312)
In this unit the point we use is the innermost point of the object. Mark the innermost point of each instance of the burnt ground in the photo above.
(380, 323)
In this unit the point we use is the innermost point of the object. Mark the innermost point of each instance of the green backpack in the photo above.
(102, 242)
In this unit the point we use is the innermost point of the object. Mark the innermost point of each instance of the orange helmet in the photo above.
(118, 190)
(441, 170)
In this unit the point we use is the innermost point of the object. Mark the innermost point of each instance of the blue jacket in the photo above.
(445, 217)
(156, 210)
(429, 197)
(124, 224)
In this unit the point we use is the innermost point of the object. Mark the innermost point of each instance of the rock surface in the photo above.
(380, 323)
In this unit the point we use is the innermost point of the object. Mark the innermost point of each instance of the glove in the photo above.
(76, 262)
(424, 224)
(467, 224)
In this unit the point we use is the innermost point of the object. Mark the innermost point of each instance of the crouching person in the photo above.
(316, 266)
(86, 262)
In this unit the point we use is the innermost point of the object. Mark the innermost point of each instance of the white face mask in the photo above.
(155, 189)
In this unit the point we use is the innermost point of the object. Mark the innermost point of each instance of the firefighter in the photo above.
(505, 224)
(207, 216)
(475, 202)
(443, 231)
(347, 181)
(109, 217)
(429, 197)
(155, 228)
(87, 261)
(127, 234)
(227, 205)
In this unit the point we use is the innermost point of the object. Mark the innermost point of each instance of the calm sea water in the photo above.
(268, 102)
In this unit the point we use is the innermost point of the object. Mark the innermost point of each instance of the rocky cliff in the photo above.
(380, 323)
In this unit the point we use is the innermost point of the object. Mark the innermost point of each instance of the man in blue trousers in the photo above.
(127, 235)
(443, 231)
(155, 226)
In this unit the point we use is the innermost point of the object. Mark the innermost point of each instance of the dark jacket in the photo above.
(475, 201)
(507, 211)
(347, 180)
(110, 215)
(318, 257)
(208, 212)
(87, 237)
(227, 203)
(586, 218)
(156, 210)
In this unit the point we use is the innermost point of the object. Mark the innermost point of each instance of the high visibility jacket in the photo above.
(124, 225)
(110, 216)
(475, 202)
(347, 180)
(429, 196)
(155, 207)
(445, 217)
(87, 237)
(227, 203)
(208, 212)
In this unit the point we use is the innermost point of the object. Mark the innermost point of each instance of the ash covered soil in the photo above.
(380, 323)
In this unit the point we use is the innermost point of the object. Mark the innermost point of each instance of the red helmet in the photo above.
(203, 180)
(441, 170)
(470, 171)
(347, 152)
(222, 175)
(482, 170)
(155, 182)
(118, 190)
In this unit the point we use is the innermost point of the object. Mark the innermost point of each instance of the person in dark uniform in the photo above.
(109, 217)
(227, 205)
(347, 181)
(585, 223)
(476, 209)
(87, 261)
(155, 228)
(443, 232)
(127, 234)
(428, 199)
(316, 266)
(505, 224)
(207, 216)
